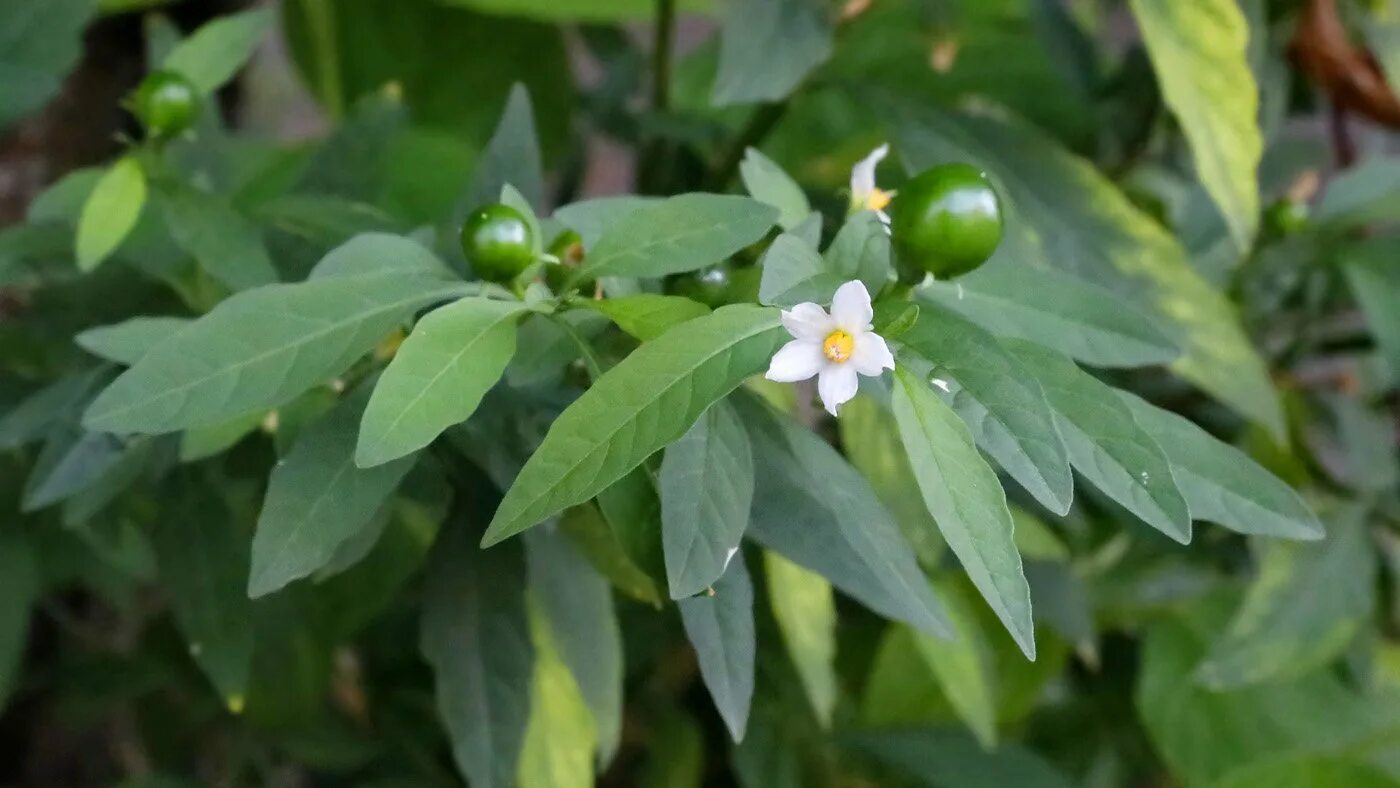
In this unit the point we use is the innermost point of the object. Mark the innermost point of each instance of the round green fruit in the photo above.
(946, 220)
(1286, 216)
(498, 242)
(567, 250)
(167, 104)
(710, 286)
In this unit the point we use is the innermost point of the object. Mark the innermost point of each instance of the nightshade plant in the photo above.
(1013, 451)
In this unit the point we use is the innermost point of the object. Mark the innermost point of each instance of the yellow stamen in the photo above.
(837, 346)
(878, 200)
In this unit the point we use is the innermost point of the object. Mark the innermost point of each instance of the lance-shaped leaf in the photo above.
(963, 666)
(226, 245)
(1004, 408)
(639, 406)
(1375, 281)
(794, 273)
(215, 52)
(317, 499)
(110, 212)
(768, 183)
(1305, 606)
(578, 604)
(591, 219)
(438, 377)
(559, 740)
(1221, 483)
(819, 512)
(678, 234)
(1042, 305)
(476, 636)
(706, 487)
(721, 629)
(805, 610)
(647, 315)
(262, 347)
(1106, 444)
(126, 342)
(512, 156)
(964, 495)
(1200, 53)
(203, 560)
(767, 47)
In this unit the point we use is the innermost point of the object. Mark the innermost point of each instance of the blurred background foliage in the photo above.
(1235, 661)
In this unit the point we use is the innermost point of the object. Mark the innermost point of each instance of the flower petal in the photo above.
(850, 307)
(797, 360)
(836, 384)
(807, 321)
(871, 355)
(863, 174)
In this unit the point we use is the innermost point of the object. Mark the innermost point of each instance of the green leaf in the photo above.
(964, 495)
(126, 342)
(317, 499)
(1361, 193)
(1304, 608)
(678, 234)
(226, 245)
(476, 636)
(591, 219)
(870, 441)
(767, 47)
(1309, 772)
(438, 377)
(263, 347)
(1375, 282)
(110, 212)
(19, 589)
(435, 54)
(1086, 227)
(218, 49)
(1203, 734)
(817, 511)
(805, 610)
(578, 604)
(36, 414)
(559, 739)
(203, 558)
(639, 406)
(72, 460)
(1006, 411)
(198, 443)
(1105, 443)
(706, 487)
(940, 757)
(1064, 313)
(963, 666)
(511, 157)
(1200, 52)
(631, 506)
(590, 532)
(379, 253)
(1221, 483)
(647, 315)
(720, 626)
(793, 273)
(766, 182)
(39, 44)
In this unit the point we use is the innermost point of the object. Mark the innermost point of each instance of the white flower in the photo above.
(833, 347)
(865, 195)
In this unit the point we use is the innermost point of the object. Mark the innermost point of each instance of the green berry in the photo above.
(1286, 217)
(567, 250)
(946, 220)
(710, 286)
(167, 104)
(498, 242)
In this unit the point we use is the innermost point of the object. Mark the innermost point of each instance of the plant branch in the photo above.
(661, 56)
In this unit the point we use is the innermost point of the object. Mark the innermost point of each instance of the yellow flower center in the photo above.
(878, 200)
(837, 346)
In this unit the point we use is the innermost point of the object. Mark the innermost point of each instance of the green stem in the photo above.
(661, 58)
